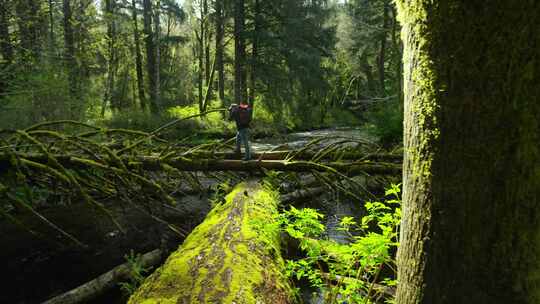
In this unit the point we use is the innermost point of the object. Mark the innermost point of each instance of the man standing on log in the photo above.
(242, 115)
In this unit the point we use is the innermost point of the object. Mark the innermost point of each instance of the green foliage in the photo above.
(213, 121)
(303, 223)
(347, 272)
(137, 273)
(385, 122)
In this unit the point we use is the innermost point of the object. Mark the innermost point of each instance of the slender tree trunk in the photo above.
(138, 57)
(110, 96)
(150, 55)
(471, 200)
(382, 47)
(5, 39)
(200, 51)
(69, 55)
(52, 39)
(368, 71)
(6, 49)
(157, 35)
(207, 37)
(29, 25)
(254, 53)
(239, 52)
(396, 43)
(220, 32)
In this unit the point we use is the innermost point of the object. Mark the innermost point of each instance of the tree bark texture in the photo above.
(471, 213)
(233, 256)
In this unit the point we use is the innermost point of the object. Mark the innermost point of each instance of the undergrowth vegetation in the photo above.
(360, 271)
(266, 121)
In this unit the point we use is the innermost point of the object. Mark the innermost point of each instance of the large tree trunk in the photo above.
(220, 33)
(232, 257)
(471, 212)
(138, 57)
(239, 53)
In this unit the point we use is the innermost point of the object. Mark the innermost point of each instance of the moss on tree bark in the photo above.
(232, 257)
(471, 214)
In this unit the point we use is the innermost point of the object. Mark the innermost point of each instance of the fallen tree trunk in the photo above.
(185, 164)
(352, 168)
(232, 257)
(304, 155)
(104, 282)
(303, 194)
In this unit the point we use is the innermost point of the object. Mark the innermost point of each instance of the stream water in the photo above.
(28, 279)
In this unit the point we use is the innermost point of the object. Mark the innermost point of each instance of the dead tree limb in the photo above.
(104, 282)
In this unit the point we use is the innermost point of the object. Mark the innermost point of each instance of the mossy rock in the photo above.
(232, 257)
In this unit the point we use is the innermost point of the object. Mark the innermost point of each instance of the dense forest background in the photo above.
(140, 63)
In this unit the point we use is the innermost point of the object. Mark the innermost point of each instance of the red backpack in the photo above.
(244, 115)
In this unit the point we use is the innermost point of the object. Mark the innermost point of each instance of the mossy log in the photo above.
(303, 155)
(152, 163)
(232, 257)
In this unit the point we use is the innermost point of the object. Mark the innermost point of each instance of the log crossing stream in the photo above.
(190, 201)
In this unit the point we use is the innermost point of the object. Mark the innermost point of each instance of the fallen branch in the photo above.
(104, 282)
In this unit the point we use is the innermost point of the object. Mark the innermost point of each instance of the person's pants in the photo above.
(242, 136)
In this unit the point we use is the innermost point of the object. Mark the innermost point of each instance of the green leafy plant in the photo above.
(362, 271)
(137, 273)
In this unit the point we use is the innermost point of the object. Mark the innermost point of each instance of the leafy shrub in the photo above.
(347, 273)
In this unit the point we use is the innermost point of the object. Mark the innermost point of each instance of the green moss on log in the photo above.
(232, 257)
